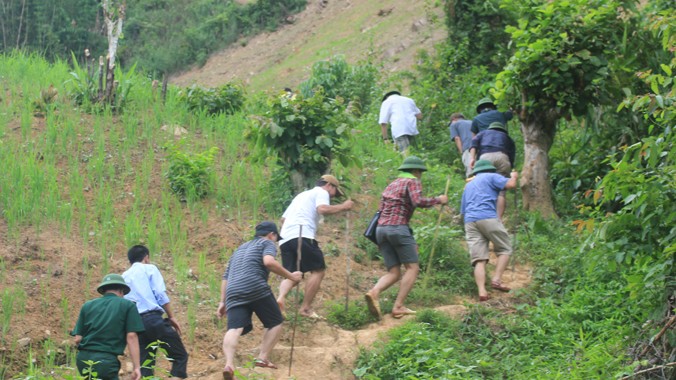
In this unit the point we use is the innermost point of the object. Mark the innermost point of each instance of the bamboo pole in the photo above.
(434, 240)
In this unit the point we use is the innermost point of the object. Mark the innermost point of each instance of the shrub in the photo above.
(190, 174)
(86, 91)
(337, 79)
(306, 134)
(227, 99)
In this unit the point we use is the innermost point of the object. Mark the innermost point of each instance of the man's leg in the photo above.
(311, 288)
(500, 267)
(270, 339)
(230, 345)
(407, 282)
(284, 288)
(176, 351)
(385, 281)
(480, 277)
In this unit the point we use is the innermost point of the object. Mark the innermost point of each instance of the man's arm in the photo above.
(458, 144)
(418, 116)
(383, 130)
(511, 184)
(221, 304)
(334, 209)
(170, 317)
(134, 352)
(472, 157)
(277, 268)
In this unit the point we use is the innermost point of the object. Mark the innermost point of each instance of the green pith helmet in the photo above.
(483, 166)
(413, 162)
(497, 125)
(113, 279)
(483, 102)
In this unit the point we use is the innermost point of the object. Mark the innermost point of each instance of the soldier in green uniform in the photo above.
(105, 326)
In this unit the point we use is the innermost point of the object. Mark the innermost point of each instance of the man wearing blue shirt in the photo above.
(483, 226)
(149, 293)
(461, 135)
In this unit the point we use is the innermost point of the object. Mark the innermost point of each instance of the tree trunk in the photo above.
(538, 135)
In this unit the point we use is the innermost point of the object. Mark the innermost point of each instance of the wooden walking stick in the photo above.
(347, 261)
(434, 239)
(517, 222)
(299, 251)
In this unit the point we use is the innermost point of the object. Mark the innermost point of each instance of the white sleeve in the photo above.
(384, 116)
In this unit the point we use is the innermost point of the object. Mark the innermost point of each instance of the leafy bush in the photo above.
(338, 79)
(190, 174)
(85, 90)
(306, 134)
(227, 99)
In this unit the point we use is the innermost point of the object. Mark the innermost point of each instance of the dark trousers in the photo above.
(160, 329)
(107, 365)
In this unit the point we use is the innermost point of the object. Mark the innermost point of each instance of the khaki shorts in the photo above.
(478, 234)
(500, 161)
(404, 141)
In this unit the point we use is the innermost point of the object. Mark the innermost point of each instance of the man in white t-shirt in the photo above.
(305, 210)
(402, 113)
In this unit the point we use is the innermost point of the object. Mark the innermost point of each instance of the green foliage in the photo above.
(356, 84)
(306, 133)
(227, 99)
(165, 36)
(190, 175)
(642, 189)
(439, 90)
(84, 89)
(563, 55)
(54, 29)
(160, 35)
(476, 32)
(354, 318)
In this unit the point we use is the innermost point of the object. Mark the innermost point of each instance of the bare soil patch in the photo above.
(391, 33)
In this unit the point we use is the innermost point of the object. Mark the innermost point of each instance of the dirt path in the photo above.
(323, 351)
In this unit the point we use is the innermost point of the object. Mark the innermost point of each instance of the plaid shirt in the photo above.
(400, 199)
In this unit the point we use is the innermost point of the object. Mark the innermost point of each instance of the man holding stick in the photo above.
(304, 211)
(245, 290)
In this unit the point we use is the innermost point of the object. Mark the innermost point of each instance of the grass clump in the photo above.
(355, 317)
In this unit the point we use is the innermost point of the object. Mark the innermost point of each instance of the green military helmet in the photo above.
(113, 279)
(497, 125)
(483, 166)
(413, 163)
(484, 102)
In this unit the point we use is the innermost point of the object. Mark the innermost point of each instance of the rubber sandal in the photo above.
(500, 287)
(484, 298)
(228, 373)
(373, 305)
(264, 364)
(405, 312)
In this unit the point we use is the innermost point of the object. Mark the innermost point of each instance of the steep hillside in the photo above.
(390, 33)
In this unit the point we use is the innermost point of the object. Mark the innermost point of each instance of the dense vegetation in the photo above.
(160, 36)
(604, 279)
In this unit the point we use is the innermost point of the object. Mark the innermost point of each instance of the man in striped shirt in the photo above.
(245, 290)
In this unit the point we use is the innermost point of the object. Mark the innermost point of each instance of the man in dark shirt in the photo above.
(245, 290)
(487, 114)
(495, 145)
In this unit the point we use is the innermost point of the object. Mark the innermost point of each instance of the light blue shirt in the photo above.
(147, 287)
(480, 197)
